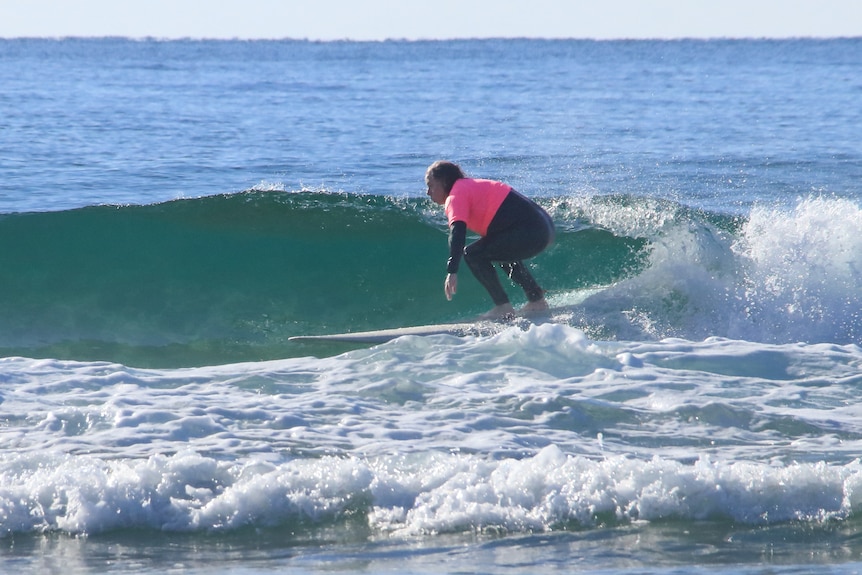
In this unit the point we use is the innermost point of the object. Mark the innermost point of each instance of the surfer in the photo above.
(512, 229)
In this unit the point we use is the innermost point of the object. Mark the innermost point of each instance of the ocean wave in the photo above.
(232, 277)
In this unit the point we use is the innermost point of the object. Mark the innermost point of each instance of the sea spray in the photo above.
(803, 271)
(781, 275)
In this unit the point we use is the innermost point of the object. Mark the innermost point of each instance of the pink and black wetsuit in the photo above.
(513, 228)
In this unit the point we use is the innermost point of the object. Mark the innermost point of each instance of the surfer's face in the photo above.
(436, 191)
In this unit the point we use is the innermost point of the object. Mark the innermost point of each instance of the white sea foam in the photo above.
(522, 431)
(788, 275)
(407, 496)
(804, 270)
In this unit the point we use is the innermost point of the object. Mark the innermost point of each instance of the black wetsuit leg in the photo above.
(519, 274)
(521, 229)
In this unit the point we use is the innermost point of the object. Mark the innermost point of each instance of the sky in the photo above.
(431, 19)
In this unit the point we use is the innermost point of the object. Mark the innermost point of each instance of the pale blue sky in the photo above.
(419, 19)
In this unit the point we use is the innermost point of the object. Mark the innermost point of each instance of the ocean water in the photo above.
(172, 212)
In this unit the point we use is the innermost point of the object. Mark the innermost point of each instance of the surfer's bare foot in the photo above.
(534, 307)
(504, 311)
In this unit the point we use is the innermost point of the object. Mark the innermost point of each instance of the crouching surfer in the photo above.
(512, 228)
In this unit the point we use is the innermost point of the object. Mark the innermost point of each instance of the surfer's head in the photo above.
(443, 173)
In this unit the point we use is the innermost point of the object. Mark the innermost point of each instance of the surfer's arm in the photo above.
(457, 241)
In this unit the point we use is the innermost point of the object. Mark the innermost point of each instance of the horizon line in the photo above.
(421, 39)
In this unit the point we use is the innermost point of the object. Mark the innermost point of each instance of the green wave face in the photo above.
(230, 278)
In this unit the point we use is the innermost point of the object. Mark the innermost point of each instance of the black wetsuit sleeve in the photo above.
(457, 241)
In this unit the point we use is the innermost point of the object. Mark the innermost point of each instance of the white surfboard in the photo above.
(384, 335)
(477, 328)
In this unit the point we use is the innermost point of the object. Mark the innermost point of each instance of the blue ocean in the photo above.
(172, 213)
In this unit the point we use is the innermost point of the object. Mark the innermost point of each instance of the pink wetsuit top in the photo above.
(475, 202)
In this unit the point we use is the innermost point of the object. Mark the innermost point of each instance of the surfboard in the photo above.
(477, 328)
(384, 335)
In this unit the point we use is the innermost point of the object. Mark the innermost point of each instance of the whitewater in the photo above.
(172, 213)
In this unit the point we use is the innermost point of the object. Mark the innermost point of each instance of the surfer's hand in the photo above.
(451, 285)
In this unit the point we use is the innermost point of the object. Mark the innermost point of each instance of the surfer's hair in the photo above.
(447, 173)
